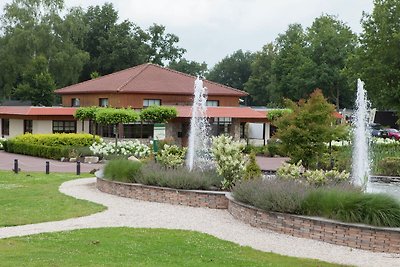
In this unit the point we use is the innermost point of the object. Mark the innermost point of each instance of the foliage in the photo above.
(158, 114)
(178, 177)
(57, 139)
(36, 150)
(122, 148)
(389, 166)
(234, 70)
(189, 67)
(271, 195)
(2, 140)
(114, 116)
(229, 159)
(289, 171)
(353, 206)
(86, 113)
(252, 170)
(172, 156)
(275, 114)
(258, 150)
(305, 131)
(122, 170)
(126, 247)
(28, 198)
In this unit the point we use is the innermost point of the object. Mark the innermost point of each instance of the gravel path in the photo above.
(134, 213)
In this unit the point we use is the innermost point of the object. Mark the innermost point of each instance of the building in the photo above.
(137, 87)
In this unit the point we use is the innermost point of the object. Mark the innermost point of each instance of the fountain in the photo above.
(361, 138)
(199, 139)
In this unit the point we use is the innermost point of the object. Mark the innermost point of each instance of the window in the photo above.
(103, 102)
(221, 125)
(151, 102)
(106, 130)
(5, 127)
(64, 126)
(212, 103)
(27, 126)
(75, 102)
(138, 130)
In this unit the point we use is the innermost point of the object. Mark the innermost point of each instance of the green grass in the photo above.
(136, 247)
(27, 198)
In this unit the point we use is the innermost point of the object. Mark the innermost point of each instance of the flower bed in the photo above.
(352, 235)
(193, 198)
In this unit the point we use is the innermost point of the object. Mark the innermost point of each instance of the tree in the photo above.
(305, 131)
(234, 70)
(37, 84)
(189, 67)
(331, 43)
(87, 113)
(261, 83)
(158, 114)
(378, 59)
(293, 68)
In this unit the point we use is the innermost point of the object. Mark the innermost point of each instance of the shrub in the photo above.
(229, 159)
(2, 141)
(289, 171)
(274, 147)
(123, 148)
(271, 195)
(172, 156)
(122, 170)
(353, 206)
(389, 166)
(179, 178)
(252, 169)
(43, 151)
(258, 150)
(57, 139)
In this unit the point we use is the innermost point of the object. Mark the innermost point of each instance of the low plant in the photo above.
(389, 166)
(42, 151)
(179, 178)
(352, 206)
(122, 170)
(172, 156)
(122, 148)
(258, 150)
(289, 171)
(57, 139)
(271, 195)
(229, 159)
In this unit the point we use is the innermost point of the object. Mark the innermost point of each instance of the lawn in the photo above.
(27, 198)
(136, 247)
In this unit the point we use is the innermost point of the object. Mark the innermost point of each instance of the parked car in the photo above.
(391, 133)
(375, 129)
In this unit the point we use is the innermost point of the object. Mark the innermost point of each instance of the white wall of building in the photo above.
(255, 133)
(42, 127)
(16, 127)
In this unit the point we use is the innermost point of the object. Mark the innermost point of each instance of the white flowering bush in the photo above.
(172, 156)
(124, 148)
(290, 171)
(1, 142)
(229, 159)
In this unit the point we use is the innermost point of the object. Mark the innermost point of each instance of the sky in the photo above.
(212, 29)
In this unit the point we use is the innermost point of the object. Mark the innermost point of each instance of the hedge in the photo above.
(57, 139)
(42, 151)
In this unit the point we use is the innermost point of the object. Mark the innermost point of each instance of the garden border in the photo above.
(377, 239)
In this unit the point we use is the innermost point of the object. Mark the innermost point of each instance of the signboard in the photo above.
(159, 131)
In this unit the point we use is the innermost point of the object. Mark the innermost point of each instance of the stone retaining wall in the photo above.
(193, 198)
(351, 235)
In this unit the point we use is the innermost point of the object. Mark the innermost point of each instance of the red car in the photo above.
(391, 133)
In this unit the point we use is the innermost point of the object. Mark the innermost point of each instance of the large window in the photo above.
(27, 126)
(221, 125)
(5, 127)
(106, 130)
(151, 102)
(75, 102)
(64, 126)
(138, 130)
(103, 102)
(212, 103)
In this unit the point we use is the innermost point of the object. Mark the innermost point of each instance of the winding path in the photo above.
(219, 223)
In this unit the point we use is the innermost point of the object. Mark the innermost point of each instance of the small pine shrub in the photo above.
(252, 169)
(122, 170)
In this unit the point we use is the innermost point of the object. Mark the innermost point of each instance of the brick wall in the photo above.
(355, 236)
(193, 198)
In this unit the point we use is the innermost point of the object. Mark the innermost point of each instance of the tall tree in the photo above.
(331, 43)
(234, 70)
(378, 59)
(189, 67)
(293, 67)
(261, 84)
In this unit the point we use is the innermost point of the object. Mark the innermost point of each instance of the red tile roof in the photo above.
(37, 111)
(149, 79)
(230, 112)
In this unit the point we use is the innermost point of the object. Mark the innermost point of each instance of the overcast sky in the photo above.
(213, 29)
